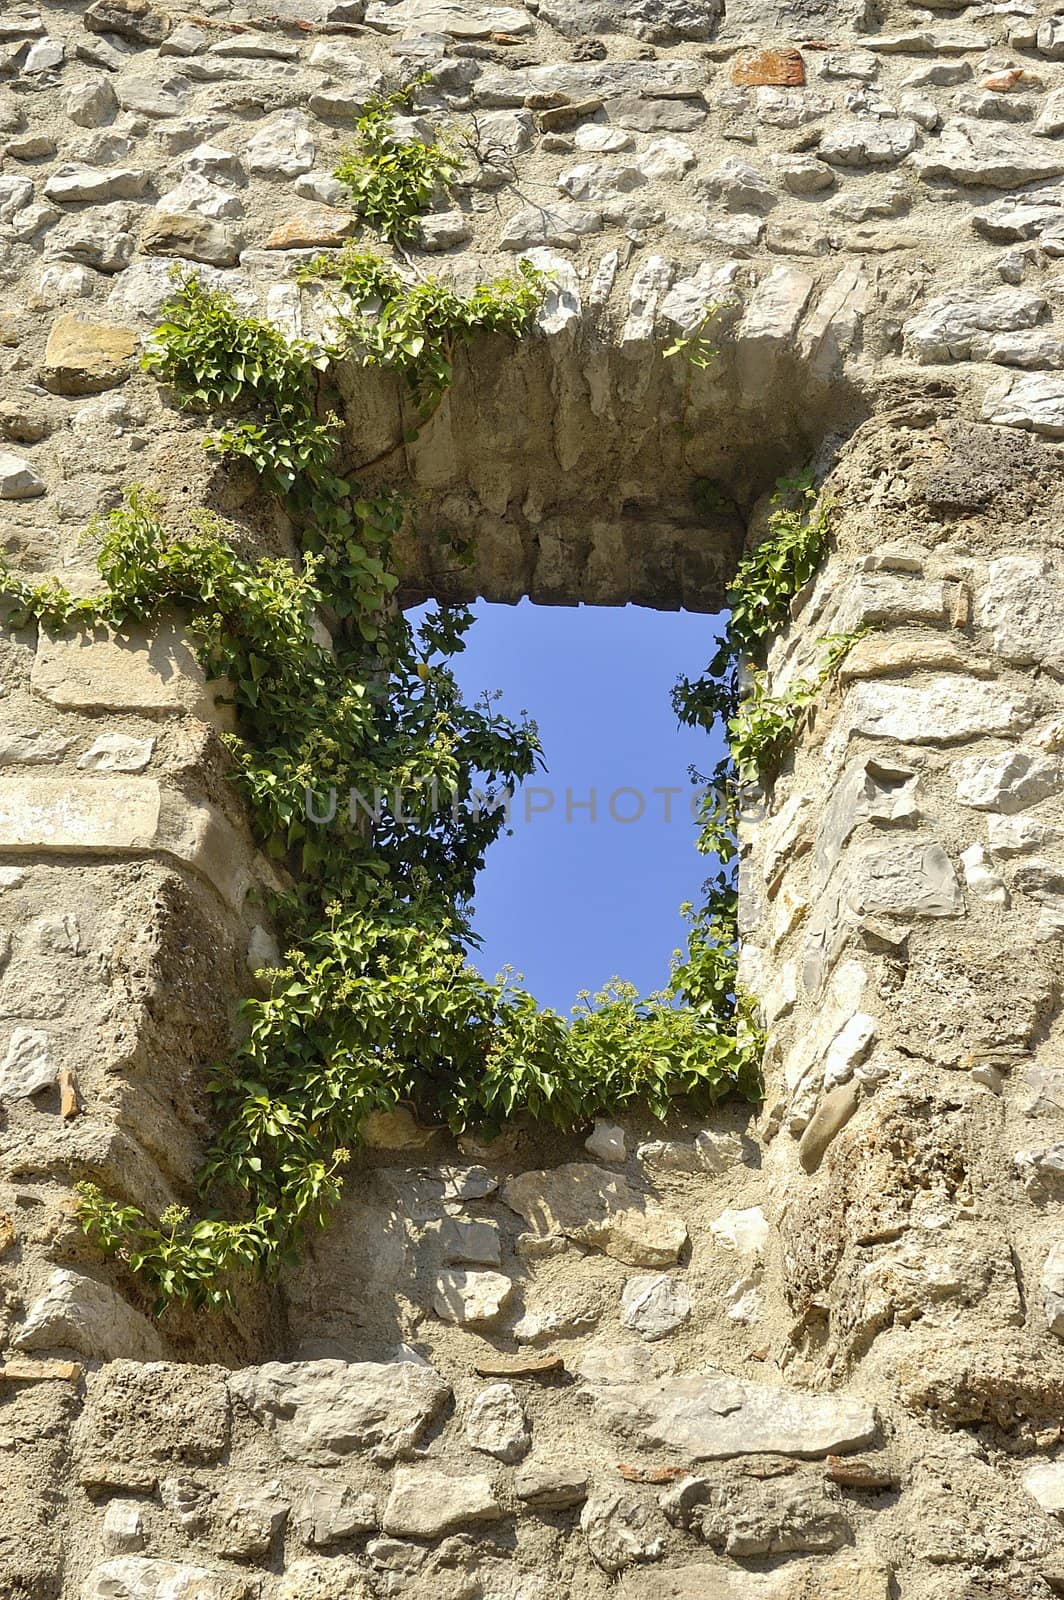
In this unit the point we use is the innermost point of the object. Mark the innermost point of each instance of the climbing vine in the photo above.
(392, 177)
(375, 1003)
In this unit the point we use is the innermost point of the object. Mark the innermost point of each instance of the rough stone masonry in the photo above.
(814, 1354)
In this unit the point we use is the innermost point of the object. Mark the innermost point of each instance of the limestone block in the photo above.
(447, 17)
(78, 1313)
(1008, 781)
(427, 1504)
(770, 322)
(1033, 401)
(832, 1114)
(968, 152)
(117, 752)
(469, 1297)
(548, 1488)
(653, 1306)
(28, 1065)
(949, 708)
(1046, 1485)
(123, 1526)
(19, 479)
(745, 1232)
(1023, 606)
(473, 1243)
(707, 1152)
(599, 1208)
(759, 1519)
(332, 1512)
(319, 1412)
(136, 20)
(139, 1415)
(1053, 1290)
(582, 80)
(84, 357)
(606, 1141)
(143, 1578)
(621, 1530)
(118, 815)
(869, 141)
(190, 237)
(959, 326)
(79, 184)
(911, 878)
(130, 671)
(705, 1418)
(496, 1424)
(334, 1578)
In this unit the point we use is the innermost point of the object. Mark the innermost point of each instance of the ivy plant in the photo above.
(392, 178)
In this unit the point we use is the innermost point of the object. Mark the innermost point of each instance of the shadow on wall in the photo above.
(572, 471)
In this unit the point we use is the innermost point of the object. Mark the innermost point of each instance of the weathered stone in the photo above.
(620, 1530)
(332, 1513)
(581, 80)
(28, 1066)
(117, 752)
(759, 1519)
(144, 1578)
(949, 708)
(769, 323)
(1046, 1485)
(559, 226)
(199, 195)
(969, 153)
(313, 226)
(550, 1488)
(654, 1306)
(86, 357)
(136, 20)
(447, 17)
(832, 1115)
(597, 1208)
(123, 1527)
(496, 1424)
(869, 141)
(1017, 836)
(1008, 781)
(958, 326)
(745, 1232)
(781, 68)
(319, 1412)
(1053, 1290)
(427, 1504)
(153, 97)
(1032, 401)
(705, 1418)
(282, 148)
(475, 1243)
(131, 671)
(139, 1415)
(1023, 606)
(907, 879)
(78, 1313)
(91, 103)
(606, 1142)
(707, 1152)
(469, 1297)
(192, 237)
(444, 230)
(74, 184)
(18, 479)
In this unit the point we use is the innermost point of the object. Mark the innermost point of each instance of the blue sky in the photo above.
(567, 901)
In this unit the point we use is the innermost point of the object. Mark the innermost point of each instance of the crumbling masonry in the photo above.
(813, 1352)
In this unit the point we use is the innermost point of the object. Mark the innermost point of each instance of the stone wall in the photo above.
(811, 1354)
